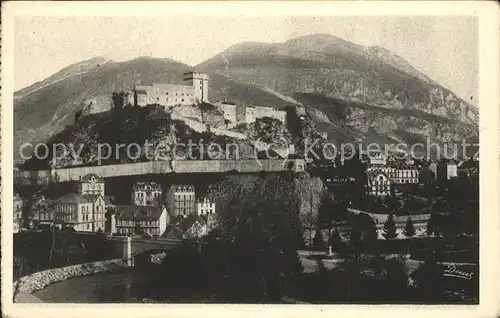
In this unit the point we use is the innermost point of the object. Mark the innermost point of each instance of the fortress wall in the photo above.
(228, 110)
(97, 104)
(187, 111)
(201, 127)
(193, 124)
(159, 167)
(229, 133)
(250, 165)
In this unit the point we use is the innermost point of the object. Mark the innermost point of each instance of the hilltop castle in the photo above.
(194, 91)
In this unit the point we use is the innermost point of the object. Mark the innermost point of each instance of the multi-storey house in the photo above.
(132, 219)
(181, 200)
(205, 207)
(146, 193)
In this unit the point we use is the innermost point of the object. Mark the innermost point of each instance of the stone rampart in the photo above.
(40, 280)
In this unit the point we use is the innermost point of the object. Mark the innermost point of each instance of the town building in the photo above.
(181, 200)
(405, 176)
(228, 111)
(200, 227)
(205, 206)
(18, 206)
(42, 210)
(241, 114)
(132, 219)
(249, 114)
(146, 193)
(91, 184)
(85, 212)
(445, 170)
(378, 183)
(394, 176)
(194, 91)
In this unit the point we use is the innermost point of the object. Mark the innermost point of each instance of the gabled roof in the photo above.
(42, 203)
(143, 185)
(182, 187)
(17, 197)
(173, 232)
(90, 197)
(73, 198)
(89, 176)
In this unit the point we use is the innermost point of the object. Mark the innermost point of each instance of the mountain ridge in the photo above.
(286, 65)
(68, 71)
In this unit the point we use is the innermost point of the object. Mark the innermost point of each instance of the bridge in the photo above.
(128, 247)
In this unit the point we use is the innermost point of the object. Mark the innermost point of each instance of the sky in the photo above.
(443, 47)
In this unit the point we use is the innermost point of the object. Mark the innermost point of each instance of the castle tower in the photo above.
(200, 83)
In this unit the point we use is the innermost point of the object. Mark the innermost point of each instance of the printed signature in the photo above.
(452, 271)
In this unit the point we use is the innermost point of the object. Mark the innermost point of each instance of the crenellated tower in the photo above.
(200, 83)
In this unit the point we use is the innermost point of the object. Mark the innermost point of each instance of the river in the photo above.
(125, 286)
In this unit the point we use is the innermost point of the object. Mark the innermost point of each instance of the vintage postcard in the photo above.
(250, 158)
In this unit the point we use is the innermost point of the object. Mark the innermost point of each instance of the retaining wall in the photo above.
(158, 167)
(40, 280)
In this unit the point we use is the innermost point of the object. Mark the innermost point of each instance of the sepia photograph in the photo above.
(280, 159)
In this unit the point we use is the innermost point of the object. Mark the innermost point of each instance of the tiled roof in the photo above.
(89, 176)
(73, 198)
(136, 212)
(142, 186)
(90, 197)
(42, 203)
(182, 187)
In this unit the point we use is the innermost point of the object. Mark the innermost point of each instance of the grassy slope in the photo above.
(333, 67)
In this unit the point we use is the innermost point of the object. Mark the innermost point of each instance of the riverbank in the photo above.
(25, 286)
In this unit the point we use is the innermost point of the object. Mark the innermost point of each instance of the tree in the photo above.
(390, 227)
(336, 242)
(370, 231)
(409, 230)
(430, 226)
(263, 233)
(318, 242)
